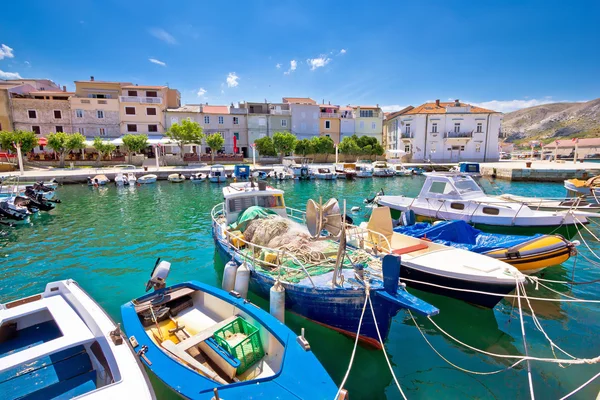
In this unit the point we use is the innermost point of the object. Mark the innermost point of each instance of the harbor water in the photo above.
(108, 239)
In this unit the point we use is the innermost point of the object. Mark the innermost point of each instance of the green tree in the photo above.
(349, 146)
(304, 147)
(283, 143)
(185, 132)
(27, 140)
(322, 145)
(62, 143)
(104, 148)
(134, 144)
(265, 146)
(215, 142)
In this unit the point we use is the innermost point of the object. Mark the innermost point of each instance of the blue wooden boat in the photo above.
(197, 338)
(315, 296)
(241, 172)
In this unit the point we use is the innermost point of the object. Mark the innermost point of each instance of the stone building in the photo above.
(95, 108)
(42, 112)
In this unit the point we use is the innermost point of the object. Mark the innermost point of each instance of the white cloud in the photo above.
(201, 92)
(278, 66)
(9, 75)
(293, 66)
(6, 52)
(342, 51)
(163, 35)
(232, 79)
(512, 105)
(27, 62)
(155, 61)
(318, 62)
(392, 108)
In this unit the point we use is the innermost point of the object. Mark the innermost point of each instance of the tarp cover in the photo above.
(248, 215)
(461, 235)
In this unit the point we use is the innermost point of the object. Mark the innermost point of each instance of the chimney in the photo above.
(92, 78)
(437, 102)
(329, 102)
(64, 88)
(457, 103)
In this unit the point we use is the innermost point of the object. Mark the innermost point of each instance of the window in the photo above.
(206, 119)
(102, 102)
(440, 188)
(236, 121)
(79, 113)
(57, 114)
(132, 93)
(59, 128)
(477, 147)
(457, 127)
(284, 122)
(262, 121)
(85, 101)
(131, 128)
(490, 210)
(407, 148)
(32, 114)
(457, 206)
(269, 201)
(150, 111)
(41, 147)
(100, 113)
(81, 130)
(221, 119)
(237, 135)
(152, 128)
(102, 131)
(434, 127)
(174, 120)
(366, 113)
(462, 148)
(362, 124)
(99, 96)
(151, 93)
(130, 110)
(408, 129)
(36, 130)
(238, 204)
(373, 125)
(327, 124)
(479, 127)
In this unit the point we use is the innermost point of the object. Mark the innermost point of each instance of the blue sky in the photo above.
(503, 55)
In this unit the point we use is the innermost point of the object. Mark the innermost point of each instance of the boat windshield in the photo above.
(466, 186)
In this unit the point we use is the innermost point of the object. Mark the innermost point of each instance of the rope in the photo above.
(355, 345)
(383, 349)
(581, 387)
(529, 377)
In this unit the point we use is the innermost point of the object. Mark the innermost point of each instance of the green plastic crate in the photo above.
(249, 350)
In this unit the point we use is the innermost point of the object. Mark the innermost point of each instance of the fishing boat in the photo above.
(324, 173)
(241, 172)
(364, 171)
(401, 170)
(281, 173)
(441, 269)
(206, 343)
(198, 177)
(529, 254)
(346, 171)
(467, 168)
(14, 210)
(589, 188)
(217, 174)
(450, 196)
(382, 170)
(60, 344)
(327, 284)
(121, 179)
(98, 180)
(147, 179)
(176, 178)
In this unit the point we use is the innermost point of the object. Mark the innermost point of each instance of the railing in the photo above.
(280, 112)
(406, 135)
(330, 115)
(137, 99)
(374, 114)
(458, 135)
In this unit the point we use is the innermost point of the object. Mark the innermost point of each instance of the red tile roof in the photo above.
(299, 100)
(433, 108)
(215, 109)
(396, 113)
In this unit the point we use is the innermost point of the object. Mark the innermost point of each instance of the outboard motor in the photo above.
(372, 199)
(158, 277)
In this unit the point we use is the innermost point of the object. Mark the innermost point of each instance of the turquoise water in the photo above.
(108, 239)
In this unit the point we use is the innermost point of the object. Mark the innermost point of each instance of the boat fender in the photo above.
(390, 268)
(242, 280)
(277, 301)
(229, 275)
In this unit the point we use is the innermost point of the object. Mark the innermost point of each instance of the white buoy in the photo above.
(355, 209)
(277, 301)
(242, 280)
(229, 274)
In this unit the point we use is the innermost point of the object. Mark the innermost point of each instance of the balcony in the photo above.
(374, 114)
(458, 135)
(280, 112)
(330, 115)
(406, 135)
(142, 100)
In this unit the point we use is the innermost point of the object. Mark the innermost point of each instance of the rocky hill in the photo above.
(553, 121)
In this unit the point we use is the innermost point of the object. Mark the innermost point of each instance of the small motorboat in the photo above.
(364, 171)
(466, 168)
(281, 173)
(529, 254)
(176, 178)
(589, 188)
(382, 170)
(14, 210)
(98, 180)
(346, 171)
(205, 343)
(121, 180)
(416, 170)
(131, 178)
(60, 344)
(241, 172)
(146, 179)
(217, 174)
(325, 174)
(198, 177)
(401, 170)
(302, 171)
(39, 201)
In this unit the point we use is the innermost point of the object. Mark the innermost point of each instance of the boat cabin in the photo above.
(241, 171)
(468, 167)
(380, 164)
(240, 196)
(361, 168)
(217, 170)
(450, 186)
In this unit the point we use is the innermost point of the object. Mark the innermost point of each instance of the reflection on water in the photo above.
(108, 239)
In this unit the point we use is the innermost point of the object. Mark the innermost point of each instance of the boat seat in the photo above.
(203, 335)
(410, 249)
(191, 361)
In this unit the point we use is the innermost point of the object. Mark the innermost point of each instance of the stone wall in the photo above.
(45, 115)
(91, 124)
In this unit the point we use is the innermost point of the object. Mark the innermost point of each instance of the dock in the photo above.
(540, 171)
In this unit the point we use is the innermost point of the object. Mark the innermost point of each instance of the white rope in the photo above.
(581, 387)
(535, 279)
(383, 349)
(355, 345)
(529, 377)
